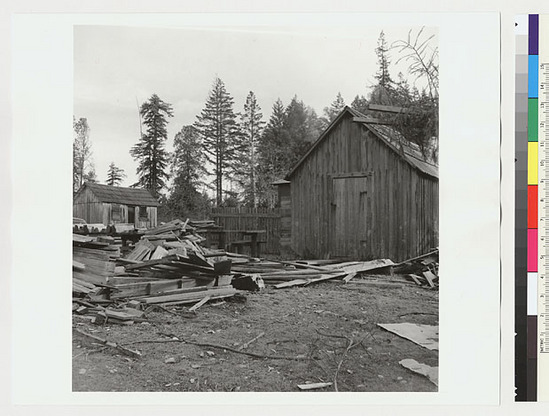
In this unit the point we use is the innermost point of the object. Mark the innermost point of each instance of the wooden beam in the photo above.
(391, 109)
(369, 120)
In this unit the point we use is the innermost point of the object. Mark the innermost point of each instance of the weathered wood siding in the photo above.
(355, 197)
(285, 207)
(88, 207)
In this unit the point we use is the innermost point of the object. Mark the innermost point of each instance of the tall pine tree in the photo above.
(150, 151)
(115, 175)
(383, 91)
(185, 199)
(218, 129)
(251, 127)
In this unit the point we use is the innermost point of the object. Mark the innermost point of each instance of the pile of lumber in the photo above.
(167, 266)
(203, 225)
(282, 274)
(93, 262)
(422, 270)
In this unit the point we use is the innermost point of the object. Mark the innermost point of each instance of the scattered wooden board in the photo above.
(305, 282)
(305, 266)
(158, 253)
(364, 266)
(190, 296)
(347, 278)
(313, 386)
(425, 370)
(199, 304)
(430, 277)
(76, 265)
(415, 279)
(424, 335)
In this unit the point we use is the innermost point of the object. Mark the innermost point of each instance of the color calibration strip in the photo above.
(532, 208)
(521, 204)
(532, 252)
(526, 204)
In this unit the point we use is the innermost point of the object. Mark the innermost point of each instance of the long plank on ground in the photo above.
(304, 282)
(366, 266)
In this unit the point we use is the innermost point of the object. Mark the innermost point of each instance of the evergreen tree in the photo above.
(251, 127)
(218, 129)
(275, 155)
(335, 108)
(115, 175)
(360, 104)
(90, 175)
(303, 127)
(287, 136)
(185, 199)
(383, 91)
(150, 151)
(383, 76)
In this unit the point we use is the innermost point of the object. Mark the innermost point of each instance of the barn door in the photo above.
(350, 211)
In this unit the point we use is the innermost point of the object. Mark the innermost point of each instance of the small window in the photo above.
(143, 214)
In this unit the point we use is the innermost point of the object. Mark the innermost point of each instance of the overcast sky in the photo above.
(117, 67)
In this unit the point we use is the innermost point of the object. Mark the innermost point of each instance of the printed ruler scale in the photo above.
(543, 211)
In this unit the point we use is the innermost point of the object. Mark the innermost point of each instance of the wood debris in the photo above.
(425, 370)
(313, 386)
(424, 335)
(422, 270)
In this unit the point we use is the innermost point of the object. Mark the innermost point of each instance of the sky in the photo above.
(117, 68)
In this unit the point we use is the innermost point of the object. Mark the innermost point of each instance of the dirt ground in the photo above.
(324, 332)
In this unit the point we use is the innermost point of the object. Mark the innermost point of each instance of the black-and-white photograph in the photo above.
(255, 209)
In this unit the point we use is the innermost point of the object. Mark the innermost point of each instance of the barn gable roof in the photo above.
(120, 195)
(392, 138)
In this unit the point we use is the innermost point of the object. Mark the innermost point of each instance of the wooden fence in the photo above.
(268, 219)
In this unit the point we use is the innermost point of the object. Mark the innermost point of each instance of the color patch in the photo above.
(532, 163)
(532, 250)
(533, 34)
(532, 206)
(532, 294)
(533, 76)
(532, 119)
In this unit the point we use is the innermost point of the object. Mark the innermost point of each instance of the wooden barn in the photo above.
(362, 192)
(106, 204)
